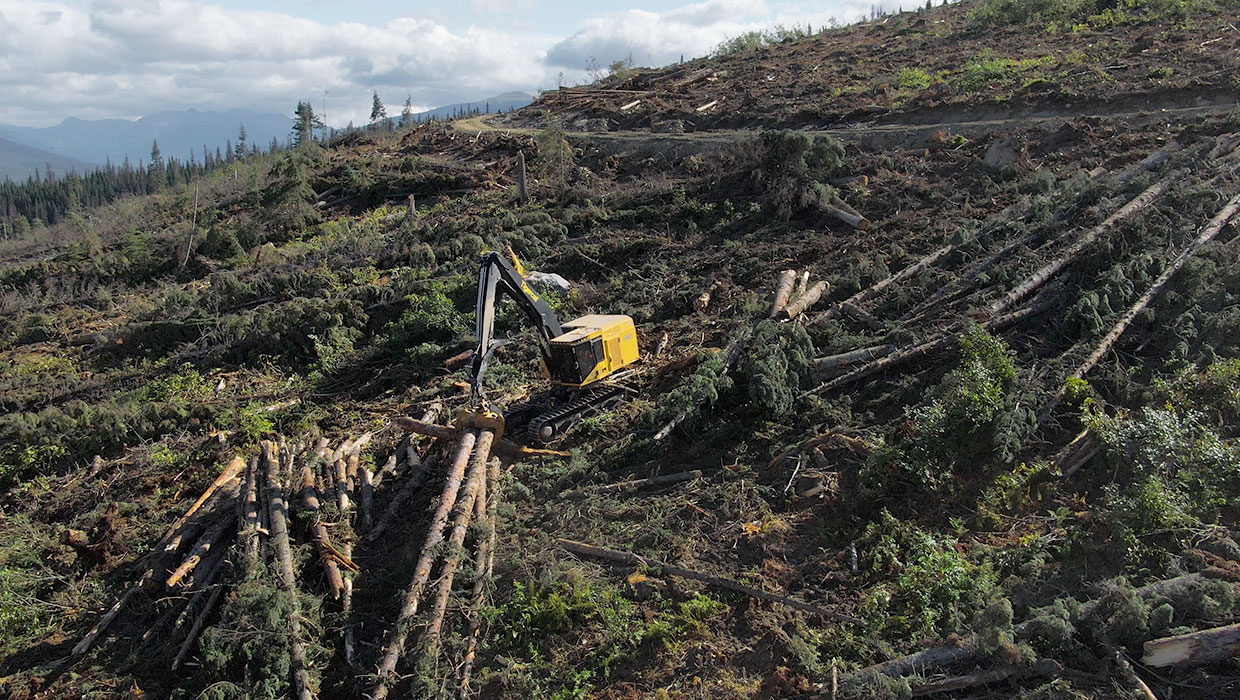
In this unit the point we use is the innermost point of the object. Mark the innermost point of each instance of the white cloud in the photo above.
(128, 58)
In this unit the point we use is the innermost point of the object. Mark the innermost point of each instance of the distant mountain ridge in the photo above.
(83, 144)
(19, 161)
(499, 103)
(178, 132)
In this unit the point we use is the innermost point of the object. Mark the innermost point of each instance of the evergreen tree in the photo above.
(303, 130)
(157, 159)
(377, 111)
(241, 142)
(406, 113)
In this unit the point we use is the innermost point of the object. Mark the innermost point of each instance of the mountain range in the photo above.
(82, 144)
(19, 161)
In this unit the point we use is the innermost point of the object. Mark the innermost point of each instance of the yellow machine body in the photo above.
(592, 348)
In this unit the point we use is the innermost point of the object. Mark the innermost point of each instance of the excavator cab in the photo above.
(592, 348)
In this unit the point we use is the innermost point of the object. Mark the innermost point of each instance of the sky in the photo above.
(96, 59)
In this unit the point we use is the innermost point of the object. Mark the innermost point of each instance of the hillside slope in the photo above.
(996, 458)
(18, 162)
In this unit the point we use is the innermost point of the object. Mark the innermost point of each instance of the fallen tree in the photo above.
(629, 559)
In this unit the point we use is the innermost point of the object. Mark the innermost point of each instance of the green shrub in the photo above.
(922, 587)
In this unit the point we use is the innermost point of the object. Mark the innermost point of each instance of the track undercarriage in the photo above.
(548, 416)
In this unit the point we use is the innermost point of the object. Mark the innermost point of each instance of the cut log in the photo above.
(1193, 649)
(248, 525)
(448, 433)
(862, 316)
(803, 302)
(200, 549)
(630, 105)
(474, 486)
(172, 540)
(783, 291)
(199, 622)
(636, 483)
(858, 222)
(339, 471)
(881, 286)
(852, 357)
(522, 192)
(402, 496)
(1150, 162)
(1207, 233)
(841, 204)
(802, 283)
(318, 533)
(284, 570)
(1054, 267)
(630, 559)
(483, 559)
(394, 648)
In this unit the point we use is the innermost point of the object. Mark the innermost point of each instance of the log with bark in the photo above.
(448, 433)
(1055, 266)
(858, 222)
(402, 496)
(852, 357)
(475, 485)
(394, 648)
(318, 533)
(484, 557)
(630, 559)
(783, 291)
(282, 553)
(1207, 234)
(1193, 649)
(881, 286)
(803, 302)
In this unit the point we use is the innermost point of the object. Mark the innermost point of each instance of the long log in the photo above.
(783, 291)
(803, 302)
(318, 533)
(1054, 267)
(199, 550)
(398, 501)
(882, 285)
(1207, 234)
(852, 357)
(1150, 162)
(475, 485)
(1193, 649)
(969, 649)
(395, 646)
(636, 483)
(284, 569)
(196, 629)
(946, 340)
(1084, 447)
(484, 557)
(448, 433)
(630, 559)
